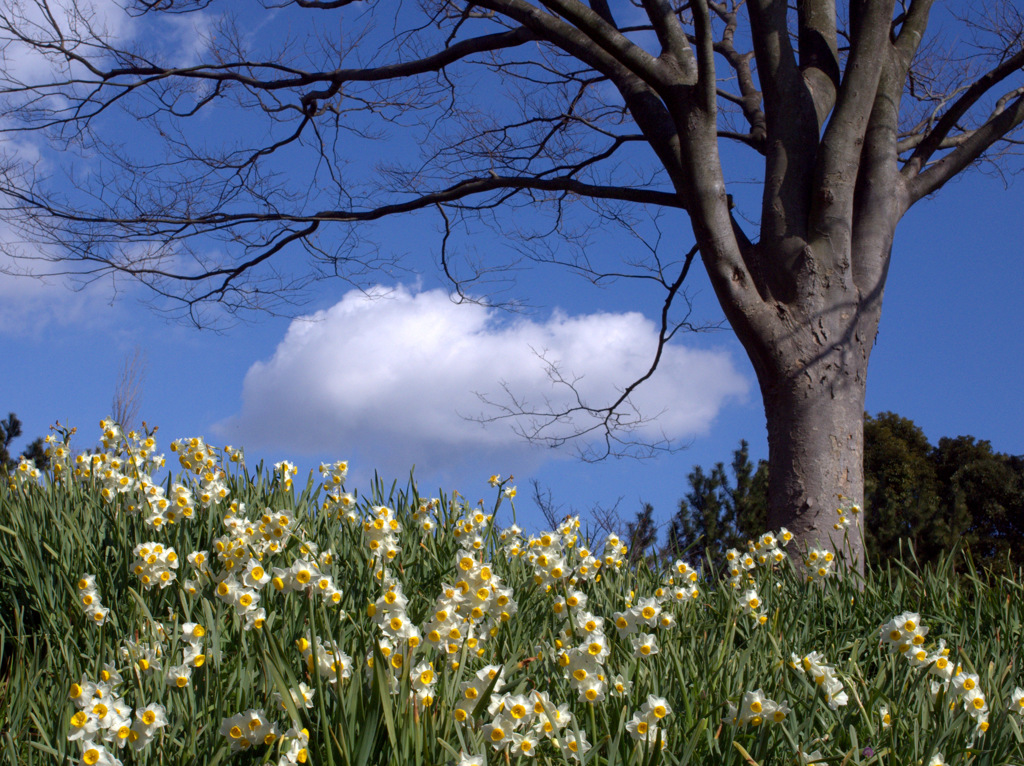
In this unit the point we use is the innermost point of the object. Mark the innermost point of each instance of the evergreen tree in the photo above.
(642, 534)
(717, 514)
(901, 489)
(10, 430)
(749, 498)
(936, 497)
(982, 500)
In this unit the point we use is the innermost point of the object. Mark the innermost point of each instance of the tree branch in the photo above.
(970, 149)
(934, 139)
(609, 419)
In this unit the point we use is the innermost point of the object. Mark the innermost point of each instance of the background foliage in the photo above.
(928, 497)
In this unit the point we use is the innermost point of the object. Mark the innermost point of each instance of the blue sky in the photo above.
(389, 382)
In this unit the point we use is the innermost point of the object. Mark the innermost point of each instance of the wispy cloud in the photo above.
(394, 374)
(75, 24)
(31, 305)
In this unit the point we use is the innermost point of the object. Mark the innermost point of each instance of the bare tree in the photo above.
(544, 500)
(127, 399)
(851, 113)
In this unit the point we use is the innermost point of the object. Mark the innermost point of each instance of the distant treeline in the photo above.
(10, 429)
(958, 492)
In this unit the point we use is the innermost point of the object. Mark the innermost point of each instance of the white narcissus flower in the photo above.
(1017, 701)
(95, 754)
(813, 758)
(179, 676)
(655, 707)
(640, 729)
(644, 645)
(499, 731)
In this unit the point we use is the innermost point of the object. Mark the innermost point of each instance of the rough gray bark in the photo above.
(826, 97)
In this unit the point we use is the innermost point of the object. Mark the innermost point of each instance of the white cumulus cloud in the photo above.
(396, 377)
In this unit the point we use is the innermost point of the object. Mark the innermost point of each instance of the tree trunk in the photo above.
(816, 456)
(810, 353)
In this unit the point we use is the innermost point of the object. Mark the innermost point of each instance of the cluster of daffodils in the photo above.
(905, 635)
(324, 658)
(180, 676)
(285, 472)
(547, 553)
(512, 541)
(633, 621)
(615, 552)
(380, 534)
(338, 504)
(254, 729)
(124, 468)
(57, 451)
(819, 563)
(89, 598)
(341, 506)
(472, 610)
(305, 575)
(399, 642)
(425, 514)
(518, 724)
(848, 513)
(162, 509)
(203, 462)
(389, 614)
(334, 475)
(145, 654)
(24, 473)
(471, 692)
(647, 724)
(471, 524)
(648, 612)
(124, 471)
(755, 708)
(195, 455)
(824, 677)
(155, 564)
(584, 663)
(103, 723)
(242, 554)
(684, 578)
(555, 555)
(766, 551)
(752, 604)
(110, 471)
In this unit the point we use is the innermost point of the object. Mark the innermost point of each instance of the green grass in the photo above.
(54, 532)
